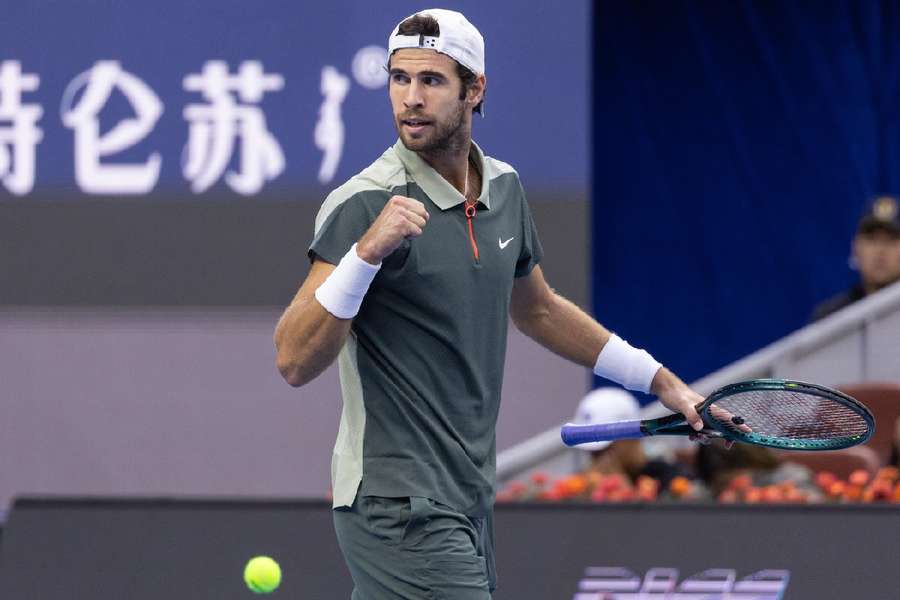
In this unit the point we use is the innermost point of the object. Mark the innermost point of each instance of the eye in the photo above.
(399, 78)
(429, 80)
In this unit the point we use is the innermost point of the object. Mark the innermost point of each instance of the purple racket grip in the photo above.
(603, 432)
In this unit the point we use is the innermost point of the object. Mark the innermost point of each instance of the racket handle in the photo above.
(603, 432)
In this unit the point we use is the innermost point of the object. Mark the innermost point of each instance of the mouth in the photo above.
(414, 125)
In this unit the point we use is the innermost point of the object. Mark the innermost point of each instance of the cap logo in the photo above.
(427, 41)
(885, 209)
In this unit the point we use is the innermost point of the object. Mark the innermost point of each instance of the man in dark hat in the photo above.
(876, 255)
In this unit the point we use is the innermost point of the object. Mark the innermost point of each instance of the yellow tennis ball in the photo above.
(262, 574)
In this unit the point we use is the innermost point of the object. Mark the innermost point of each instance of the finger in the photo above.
(728, 419)
(412, 230)
(418, 208)
(400, 204)
(693, 418)
(409, 203)
(395, 201)
(414, 218)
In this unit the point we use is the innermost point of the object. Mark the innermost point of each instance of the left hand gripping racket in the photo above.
(779, 413)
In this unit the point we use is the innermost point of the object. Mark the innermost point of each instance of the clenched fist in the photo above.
(401, 218)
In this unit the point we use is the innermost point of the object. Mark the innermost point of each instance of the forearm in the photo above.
(313, 329)
(563, 328)
(308, 339)
(568, 331)
(665, 382)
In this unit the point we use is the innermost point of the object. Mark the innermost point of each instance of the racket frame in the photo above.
(782, 443)
(675, 424)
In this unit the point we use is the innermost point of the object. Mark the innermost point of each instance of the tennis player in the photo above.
(417, 263)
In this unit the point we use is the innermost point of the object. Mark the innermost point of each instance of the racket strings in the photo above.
(788, 414)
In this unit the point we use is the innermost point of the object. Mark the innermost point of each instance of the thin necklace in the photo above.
(466, 188)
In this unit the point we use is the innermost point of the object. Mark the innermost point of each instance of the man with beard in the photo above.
(417, 264)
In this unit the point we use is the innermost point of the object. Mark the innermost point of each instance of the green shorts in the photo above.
(415, 548)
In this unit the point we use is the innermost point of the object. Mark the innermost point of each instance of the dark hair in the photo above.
(426, 25)
(717, 466)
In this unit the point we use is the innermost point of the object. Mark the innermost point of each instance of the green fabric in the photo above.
(429, 342)
(415, 548)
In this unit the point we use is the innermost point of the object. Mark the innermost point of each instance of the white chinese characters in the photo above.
(98, 84)
(19, 138)
(329, 133)
(214, 127)
(370, 72)
(111, 116)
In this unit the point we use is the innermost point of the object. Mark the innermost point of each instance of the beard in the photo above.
(449, 136)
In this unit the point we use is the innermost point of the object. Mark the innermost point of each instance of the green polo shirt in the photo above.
(422, 368)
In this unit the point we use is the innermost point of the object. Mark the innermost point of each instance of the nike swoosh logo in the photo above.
(504, 244)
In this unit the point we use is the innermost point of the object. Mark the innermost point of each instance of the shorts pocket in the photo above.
(457, 577)
(387, 518)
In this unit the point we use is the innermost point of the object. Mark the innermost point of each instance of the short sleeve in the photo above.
(532, 252)
(342, 228)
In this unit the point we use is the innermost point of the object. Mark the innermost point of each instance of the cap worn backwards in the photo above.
(458, 39)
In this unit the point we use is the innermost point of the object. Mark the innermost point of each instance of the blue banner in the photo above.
(247, 97)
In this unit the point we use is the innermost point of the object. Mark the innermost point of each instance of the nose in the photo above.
(413, 98)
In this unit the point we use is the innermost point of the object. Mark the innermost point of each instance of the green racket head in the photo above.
(791, 415)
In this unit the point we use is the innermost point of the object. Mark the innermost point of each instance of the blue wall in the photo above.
(735, 146)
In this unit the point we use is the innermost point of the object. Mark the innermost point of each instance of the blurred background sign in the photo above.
(204, 97)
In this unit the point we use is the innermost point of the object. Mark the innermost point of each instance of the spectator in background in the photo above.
(895, 447)
(745, 470)
(625, 457)
(605, 405)
(717, 466)
(876, 255)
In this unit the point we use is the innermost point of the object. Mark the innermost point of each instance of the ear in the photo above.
(476, 91)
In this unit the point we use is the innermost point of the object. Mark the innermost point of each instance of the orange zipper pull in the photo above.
(470, 214)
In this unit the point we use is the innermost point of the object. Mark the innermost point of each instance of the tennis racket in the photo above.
(791, 415)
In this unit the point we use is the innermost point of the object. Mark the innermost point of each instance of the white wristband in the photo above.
(342, 292)
(631, 367)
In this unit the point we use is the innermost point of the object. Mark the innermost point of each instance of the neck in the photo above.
(452, 161)
(870, 287)
(628, 460)
(606, 463)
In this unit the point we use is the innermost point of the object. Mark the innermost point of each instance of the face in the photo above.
(631, 455)
(424, 90)
(878, 256)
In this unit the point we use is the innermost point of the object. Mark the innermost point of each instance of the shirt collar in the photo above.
(437, 188)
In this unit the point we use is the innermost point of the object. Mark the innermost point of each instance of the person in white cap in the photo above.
(622, 457)
(418, 262)
(606, 405)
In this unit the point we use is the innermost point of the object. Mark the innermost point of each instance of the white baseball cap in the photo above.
(458, 39)
(605, 405)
